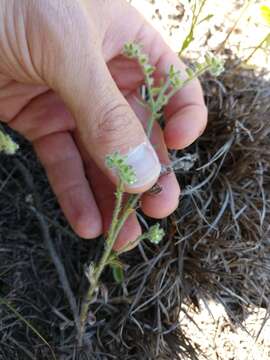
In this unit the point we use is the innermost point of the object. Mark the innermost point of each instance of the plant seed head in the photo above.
(124, 171)
(155, 234)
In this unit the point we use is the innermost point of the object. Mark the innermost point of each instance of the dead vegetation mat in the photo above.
(217, 244)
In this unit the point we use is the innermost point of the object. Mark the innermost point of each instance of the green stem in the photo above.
(131, 204)
(188, 80)
(135, 242)
(112, 236)
(117, 210)
(115, 228)
(257, 48)
(149, 89)
(150, 123)
(120, 215)
(195, 19)
(155, 114)
(163, 90)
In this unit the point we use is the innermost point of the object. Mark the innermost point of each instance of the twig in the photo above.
(49, 243)
(58, 265)
(157, 99)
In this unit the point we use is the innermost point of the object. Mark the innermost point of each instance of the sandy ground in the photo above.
(216, 336)
(219, 339)
(240, 19)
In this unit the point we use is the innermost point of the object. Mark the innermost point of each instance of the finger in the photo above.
(104, 119)
(128, 234)
(105, 198)
(44, 115)
(166, 201)
(186, 113)
(126, 73)
(45, 121)
(64, 168)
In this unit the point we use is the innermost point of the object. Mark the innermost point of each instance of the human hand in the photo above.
(65, 86)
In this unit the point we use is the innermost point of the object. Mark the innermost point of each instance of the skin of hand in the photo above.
(65, 86)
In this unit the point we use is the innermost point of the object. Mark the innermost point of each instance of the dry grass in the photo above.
(217, 244)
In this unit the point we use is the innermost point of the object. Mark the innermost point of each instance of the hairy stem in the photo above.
(156, 102)
(150, 123)
(112, 236)
(117, 223)
(118, 220)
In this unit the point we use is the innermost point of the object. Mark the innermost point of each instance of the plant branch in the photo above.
(95, 276)
(257, 48)
(158, 98)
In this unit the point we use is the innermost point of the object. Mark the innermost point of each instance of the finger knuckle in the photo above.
(114, 119)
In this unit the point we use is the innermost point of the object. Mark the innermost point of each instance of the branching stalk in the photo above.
(259, 46)
(94, 277)
(156, 101)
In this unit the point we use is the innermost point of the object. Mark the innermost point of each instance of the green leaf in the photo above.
(216, 65)
(187, 42)
(265, 13)
(118, 273)
(7, 145)
(190, 73)
(148, 69)
(114, 260)
(207, 18)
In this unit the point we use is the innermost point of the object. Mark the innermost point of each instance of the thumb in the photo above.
(106, 123)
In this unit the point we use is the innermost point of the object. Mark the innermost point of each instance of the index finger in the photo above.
(186, 114)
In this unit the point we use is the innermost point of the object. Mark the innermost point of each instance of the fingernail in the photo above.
(146, 165)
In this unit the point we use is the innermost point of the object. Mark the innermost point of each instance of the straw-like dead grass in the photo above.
(217, 244)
